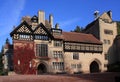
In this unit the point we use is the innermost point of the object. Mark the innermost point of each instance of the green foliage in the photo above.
(77, 29)
(118, 27)
(114, 67)
(1, 64)
(7, 41)
(2, 50)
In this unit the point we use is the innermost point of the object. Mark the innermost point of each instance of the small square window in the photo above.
(106, 56)
(105, 65)
(76, 56)
(108, 41)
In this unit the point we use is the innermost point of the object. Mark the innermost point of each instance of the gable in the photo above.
(40, 30)
(105, 16)
(24, 29)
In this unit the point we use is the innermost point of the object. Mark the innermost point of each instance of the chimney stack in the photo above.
(41, 17)
(51, 20)
(96, 14)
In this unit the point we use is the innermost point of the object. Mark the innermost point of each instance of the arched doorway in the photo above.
(94, 67)
(42, 69)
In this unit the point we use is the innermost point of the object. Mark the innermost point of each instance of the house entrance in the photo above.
(42, 69)
(94, 67)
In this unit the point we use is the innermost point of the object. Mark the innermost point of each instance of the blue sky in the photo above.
(68, 13)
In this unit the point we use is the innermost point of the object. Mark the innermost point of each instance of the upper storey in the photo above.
(37, 28)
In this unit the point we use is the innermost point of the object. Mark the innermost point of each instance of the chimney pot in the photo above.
(51, 20)
(57, 26)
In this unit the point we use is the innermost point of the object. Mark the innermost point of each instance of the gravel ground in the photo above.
(98, 77)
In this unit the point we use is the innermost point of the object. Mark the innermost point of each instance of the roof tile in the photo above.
(78, 37)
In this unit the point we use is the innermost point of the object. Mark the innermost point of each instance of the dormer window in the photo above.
(56, 31)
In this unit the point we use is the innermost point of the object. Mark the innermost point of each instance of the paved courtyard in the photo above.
(102, 77)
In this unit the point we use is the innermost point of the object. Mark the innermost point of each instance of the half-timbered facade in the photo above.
(41, 48)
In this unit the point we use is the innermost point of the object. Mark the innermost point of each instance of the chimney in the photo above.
(51, 20)
(41, 17)
(109, 13)
(57, 26)
(96, 14)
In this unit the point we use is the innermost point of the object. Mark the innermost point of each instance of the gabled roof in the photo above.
(105, 15)
(23, 23)
(32, 31)
(44, 28)
(90, 25)
(80, 37)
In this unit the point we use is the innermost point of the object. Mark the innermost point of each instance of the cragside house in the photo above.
(39, 47)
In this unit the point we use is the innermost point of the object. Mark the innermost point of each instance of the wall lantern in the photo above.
(30, 65)
(18, 62)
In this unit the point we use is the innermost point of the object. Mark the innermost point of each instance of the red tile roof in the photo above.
(79, 37)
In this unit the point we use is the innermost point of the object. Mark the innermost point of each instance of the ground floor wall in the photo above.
(84, 63)
(87, 63)
(26, 62)
(22, 57)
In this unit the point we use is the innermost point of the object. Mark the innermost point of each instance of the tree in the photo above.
(1, 64)
(7, 41)
(2, 50)
(78, 29)
(118, 27)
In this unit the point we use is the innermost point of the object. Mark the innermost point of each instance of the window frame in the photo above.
(57, 43)
(75, 56)
(41, 50)
(109, 32)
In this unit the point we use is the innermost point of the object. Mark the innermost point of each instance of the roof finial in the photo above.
(96, 14)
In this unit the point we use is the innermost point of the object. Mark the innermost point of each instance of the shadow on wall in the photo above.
(113, 57)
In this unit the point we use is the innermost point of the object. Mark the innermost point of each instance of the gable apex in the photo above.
(106, 16)
(24, 23)
(42, 28)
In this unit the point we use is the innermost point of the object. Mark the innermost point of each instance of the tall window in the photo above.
(58, 65)
(42, 50)
(58, 43)
(76, 56)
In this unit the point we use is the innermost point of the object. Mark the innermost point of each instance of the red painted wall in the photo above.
(23, 52)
